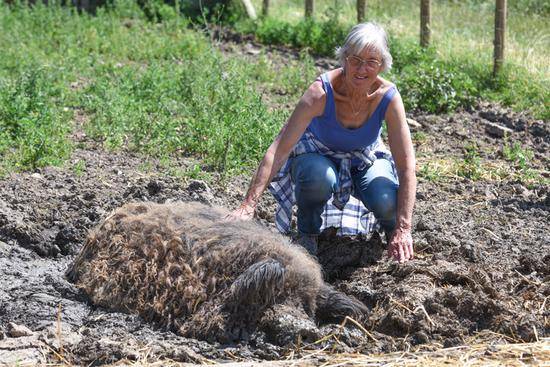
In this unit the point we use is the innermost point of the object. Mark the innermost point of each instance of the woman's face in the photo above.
(363, 68)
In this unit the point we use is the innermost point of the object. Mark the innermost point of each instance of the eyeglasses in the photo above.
(357, 62)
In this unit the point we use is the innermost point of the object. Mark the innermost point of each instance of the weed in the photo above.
(196, 172)
(471, 166)
(517, 154)
(79, 167)
(430, 172)
(419, 137)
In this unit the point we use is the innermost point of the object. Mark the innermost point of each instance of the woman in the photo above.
(329, 159)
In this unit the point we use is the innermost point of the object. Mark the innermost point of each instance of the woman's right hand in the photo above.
(243, 212)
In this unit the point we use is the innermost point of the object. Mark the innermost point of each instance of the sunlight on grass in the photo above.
(450, 168)
(459, 29)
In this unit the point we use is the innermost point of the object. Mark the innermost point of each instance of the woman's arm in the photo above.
(310, 105)
(399, 136)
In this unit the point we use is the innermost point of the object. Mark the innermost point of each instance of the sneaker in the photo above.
(309, 242)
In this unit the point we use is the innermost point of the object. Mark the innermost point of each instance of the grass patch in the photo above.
(163, 89)
(34, 129)
(517, 154)
(160, 89)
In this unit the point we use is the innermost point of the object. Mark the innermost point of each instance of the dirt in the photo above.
(482, 263)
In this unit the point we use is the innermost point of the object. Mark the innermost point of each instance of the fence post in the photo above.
(361, 11)
(265, 8)
(309, 8)
(425, 28)
(500, 30)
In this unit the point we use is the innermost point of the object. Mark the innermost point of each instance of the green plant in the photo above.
(419, 137)
(196, 172)
(517, 154)
(470, 167)
(430, 172)
(79, 167)
(34, 129)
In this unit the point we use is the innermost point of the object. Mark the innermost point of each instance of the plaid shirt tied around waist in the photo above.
(344, 210)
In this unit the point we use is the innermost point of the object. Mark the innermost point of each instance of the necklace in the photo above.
(355, 110)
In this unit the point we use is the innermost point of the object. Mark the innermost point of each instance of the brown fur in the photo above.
(182, 267)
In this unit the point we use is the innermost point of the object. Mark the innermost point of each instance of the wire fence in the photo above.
(425, 23)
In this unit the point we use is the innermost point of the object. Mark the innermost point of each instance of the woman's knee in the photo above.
(314, 177)
(382, 198)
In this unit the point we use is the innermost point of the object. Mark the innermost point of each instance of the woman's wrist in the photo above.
(403, 226)
(248, 205)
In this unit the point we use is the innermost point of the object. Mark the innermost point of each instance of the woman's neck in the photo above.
(347, 90)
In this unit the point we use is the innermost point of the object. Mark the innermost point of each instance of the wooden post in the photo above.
(425, 28)
(309, 8)
(500, 30)
(361, 11)
(265, 8)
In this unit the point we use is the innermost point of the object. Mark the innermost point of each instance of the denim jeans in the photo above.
(315, 178)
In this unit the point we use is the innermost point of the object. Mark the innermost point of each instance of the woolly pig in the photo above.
(181, 267)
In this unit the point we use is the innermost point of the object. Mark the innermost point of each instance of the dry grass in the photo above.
(477, 354)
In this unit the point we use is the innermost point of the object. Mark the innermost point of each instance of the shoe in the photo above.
(309, 242)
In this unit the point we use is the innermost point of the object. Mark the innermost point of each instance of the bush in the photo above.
(435, 87)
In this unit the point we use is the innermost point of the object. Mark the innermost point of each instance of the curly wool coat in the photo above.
(181, 267)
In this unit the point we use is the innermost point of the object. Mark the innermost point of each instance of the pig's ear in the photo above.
(260, 284)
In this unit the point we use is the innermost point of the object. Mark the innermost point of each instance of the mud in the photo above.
(482, 262)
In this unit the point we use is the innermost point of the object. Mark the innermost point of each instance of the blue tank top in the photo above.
(330, 131)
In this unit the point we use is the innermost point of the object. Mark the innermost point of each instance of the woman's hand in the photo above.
(243, 212)
(400, 247)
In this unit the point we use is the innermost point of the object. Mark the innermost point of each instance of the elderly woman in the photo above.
(329, 159)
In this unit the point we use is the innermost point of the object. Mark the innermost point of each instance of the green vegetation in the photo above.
(33, 130)
(517, 154)
(470, 167)
(455, 71)
(79, 167)
(159, 89)
(156, 85)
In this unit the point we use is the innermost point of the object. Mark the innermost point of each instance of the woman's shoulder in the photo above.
(385, 84)
(333, 76)
(315, 94)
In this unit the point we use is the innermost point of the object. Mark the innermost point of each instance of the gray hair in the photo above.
(366, 35)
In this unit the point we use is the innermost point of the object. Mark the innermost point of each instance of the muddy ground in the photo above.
(482, 264)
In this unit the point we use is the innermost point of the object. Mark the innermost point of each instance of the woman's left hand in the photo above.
(401, 245)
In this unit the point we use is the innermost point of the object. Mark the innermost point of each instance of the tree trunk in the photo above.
(500, 31)
(250, 11)
(425, 28)
(309, 8)
(361, 11)
(265, 8)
